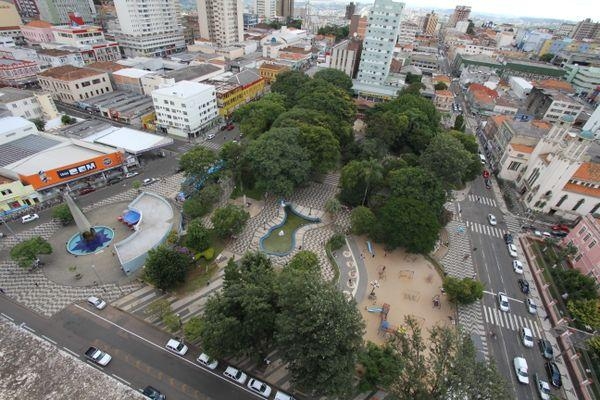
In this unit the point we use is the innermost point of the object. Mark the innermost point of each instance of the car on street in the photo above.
(521, 370)
(86, 190)
(283, 396)
(553, 374)
(204, 359)
(508, 238)
(558, 234)
(526, 337)
(230, 127)
(524, 286)
(28, 218)
(177, 346)
(503, 302)
(97, 356)
(512, 250)
(96, 302)
(131, 174)
(149, 181)
(492, 219)
(210, 136)
(259, 387)
(517, 267)
(114, 179)
(235, 375)
(153, 393)
(546, 234)
(546, 349)
(531, 306)
(542, 387)
(561, 227)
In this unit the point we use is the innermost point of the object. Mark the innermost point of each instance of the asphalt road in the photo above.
(137, 348)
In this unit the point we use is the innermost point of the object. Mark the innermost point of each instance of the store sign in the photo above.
(80, 169)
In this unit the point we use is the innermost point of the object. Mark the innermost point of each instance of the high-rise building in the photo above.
(221, 21)
(57, 11)
(378, 47)
(586, 29)
(350, 10)
(461, 13)
(358, 26)
(265, 9)
(407, 32)
(285, 8)
(149, 27)
(27, 9)
(429, 24)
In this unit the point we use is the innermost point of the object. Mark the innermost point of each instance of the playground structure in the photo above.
(385, 328)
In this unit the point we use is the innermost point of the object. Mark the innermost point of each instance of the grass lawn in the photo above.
(203, 271)
(282, 244)
(546, 263)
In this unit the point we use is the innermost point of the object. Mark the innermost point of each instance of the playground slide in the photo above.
(374, 309)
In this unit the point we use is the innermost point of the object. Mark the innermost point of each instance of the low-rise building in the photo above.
(237, 90)
(443, 100)
(130, 79)
(15, 196)
(27, 104)
(481, 98)
(193, 73)
(86, 40)
(269, 71)
(72, 84)
(18, 73)
(50, 58)
(551, 105)
(186, 109)
(38, 31)
(426, 62)
(584, 79)
(520, 87)
(585, 236)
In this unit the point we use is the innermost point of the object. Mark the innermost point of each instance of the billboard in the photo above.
(67, 173)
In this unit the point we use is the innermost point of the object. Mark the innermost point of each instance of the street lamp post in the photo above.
(99, 279)
(374, 285)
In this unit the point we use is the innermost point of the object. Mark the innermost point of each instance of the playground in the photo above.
(400, 284)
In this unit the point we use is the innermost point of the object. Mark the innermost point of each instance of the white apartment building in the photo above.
(185, 109)
(584, 79)
(27, 104)
(593, 123)
(221, 21)
(407, 32)
(71, 84)
(57, 11)
(265, 9)
(149, 27)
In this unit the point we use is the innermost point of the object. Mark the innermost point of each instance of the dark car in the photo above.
(559, 234)
(546, 349)
(524, 285)
(86, 190)
(508, 238)
(230, 127)
(114, 179)
(553, 374)
(153, 393)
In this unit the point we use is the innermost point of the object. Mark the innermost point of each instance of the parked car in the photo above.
(86, 190)
(561, 227)
(524, 285)
(521, 370)
(512, 250)
(204, 359)
(28, 218)
(97, 356)
(149, 181)
(531, 306)
(546, 349)
(503, 302)
(230, 127)
(526, 337)
(508, 238)
(259, 387)
(153, 393)
(517, 267)
(96, 302)
(492, 219)
(177, 346)
(542, 387)
(131, 174)
(283, 396)
(546, 234)
(553, 374)
(114, 179)
(210, 136)
(559, 234)
(235, 375)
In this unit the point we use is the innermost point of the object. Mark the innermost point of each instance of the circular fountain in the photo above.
(90, 242)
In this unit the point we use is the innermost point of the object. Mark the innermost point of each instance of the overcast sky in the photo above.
(575, 10)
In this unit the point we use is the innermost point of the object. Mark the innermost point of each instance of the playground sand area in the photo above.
(410, 285)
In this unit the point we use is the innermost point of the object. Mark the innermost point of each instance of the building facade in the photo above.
(461, 13)
(269, 71)
(586, 237)
(358, 26)
(586, 29)
(18, 73)
(238, 90)
(265, 9)
(9, 16)
(345, 56)
(27, 104)
(38, 32)
(57, 12)
(221, 21)
(552, 105)
(430, 24)
(285, 8)
(50, 58)
(71, 84)
(27, 9)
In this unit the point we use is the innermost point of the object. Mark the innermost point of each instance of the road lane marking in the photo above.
(48, 339)
(121, 379)
(7, 317)
(22, 325)
(71, 351)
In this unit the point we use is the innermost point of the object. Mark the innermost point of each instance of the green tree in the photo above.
(322, 147)
(319, 334)
(459, 123)
(136, 184)
(359, 179)
(333, 207)
(577, 285)
(594, 344)
(362, 220)
(340, 32)
(172, 322)
(462, 291)
(158, 309)
(305, 260)
(382, 365)
(546, 57)
(407, 223)
(412, 78)
(447, 158)
(67, 120)
(197, 161)
(232, 154)
(39, 124)
(440, 86)
(257, 117)
(288, 84)
(26, 252)
(278, 162)
(390, 127)
(63, 214)
(586, 313)
(192, 329)
(197, 236)
(419, 184)
(167, 267)
(229, 220)
(203, 201)
(335, 77)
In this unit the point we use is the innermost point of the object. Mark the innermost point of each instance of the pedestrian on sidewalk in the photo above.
(36, 284)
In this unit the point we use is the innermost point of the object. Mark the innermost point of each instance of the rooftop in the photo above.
(183, 89)
(9, 95)
(106, 66)
(132, 72)
(444, 93)
(531, 129)
(273, 66)
(10, 61)
(589, 172)
(130, 140)
(192, 72)
(24, 147)
(38, 24)
(555, 84)
(69, 73)
(522, 148)
(245, 77)
(53, 52)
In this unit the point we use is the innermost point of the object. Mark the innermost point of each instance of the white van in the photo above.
(283, 396)
(482, 158)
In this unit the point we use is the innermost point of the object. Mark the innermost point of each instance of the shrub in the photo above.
(337, 241)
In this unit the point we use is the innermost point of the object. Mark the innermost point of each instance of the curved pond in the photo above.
(80, 246)
(280, 240)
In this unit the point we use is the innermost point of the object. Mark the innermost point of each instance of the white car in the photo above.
(148, 181)
(28, 218)
(235, 375)
(259, 387)
(283, 396)
(518, 267)
(543, 388)
(96, 302)
(512, 250)
(521, 370)
(526, 337)
(210, 136)
(177, 347)
(531, 306)
(208, 362)
(131, 174)
(503, 302)
(492, 219)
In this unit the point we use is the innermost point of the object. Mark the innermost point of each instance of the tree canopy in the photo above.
(197, 161)
(229, 220)
(200, 203)
(335, 77)
(63, 214)
(340, 32)
(358, 180)
(419, 184)
(447, 158)
(462, 291)
(197, 236)
(27, 251)
(258, 116)
(288, 84)
(167, 267)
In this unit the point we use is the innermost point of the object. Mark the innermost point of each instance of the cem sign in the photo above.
(80, 169)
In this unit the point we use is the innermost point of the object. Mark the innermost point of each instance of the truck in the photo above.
(97, 356)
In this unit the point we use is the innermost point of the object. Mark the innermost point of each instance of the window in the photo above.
(586, 237)
(592, 244)
(514, 165)
(583, 229)
(578, 257)
(562, 200)
(579, 203)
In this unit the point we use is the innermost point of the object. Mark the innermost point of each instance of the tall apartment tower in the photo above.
(149, 27)
(265, 9)
(285, 8)
(350, 10)
(586, 29)
(380, 40)
(221, 21)
(461, 13)
(430, 23)
(56, 11)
